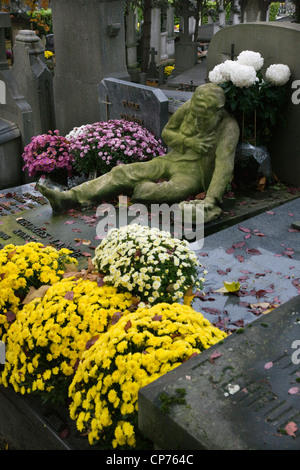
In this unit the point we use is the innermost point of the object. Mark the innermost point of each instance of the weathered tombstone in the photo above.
(10, 154)
(14, 107)
(170, 32)
(155, 34)
(222, 14)
(152, 70)
(185, 49)
(16, 118)
(50, 43)
(89, 46)
(240, 394)
(142, 104)
(254, 10)
(275, 42)
(131, 39)
(34, 79)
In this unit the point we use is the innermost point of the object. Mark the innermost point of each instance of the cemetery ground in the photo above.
(255, 244)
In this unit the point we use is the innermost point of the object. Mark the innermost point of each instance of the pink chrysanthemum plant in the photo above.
(48, 153)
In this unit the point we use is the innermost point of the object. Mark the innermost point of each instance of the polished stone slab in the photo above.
(241, 394)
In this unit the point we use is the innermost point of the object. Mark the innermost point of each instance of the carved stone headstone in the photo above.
(185, 48)
(274, 41)
(89, 45)
(13, 106)
(16, 118)
(241, 394)
(34, 79)
(142, 104)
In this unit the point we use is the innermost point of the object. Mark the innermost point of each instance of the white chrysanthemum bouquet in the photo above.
(148, 263)
(253, 99)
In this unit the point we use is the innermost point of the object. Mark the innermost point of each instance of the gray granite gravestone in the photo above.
(241, 394)
(34, 79)
(13, 106)
(185, 48)
(142, 104)
(89, 45)
(16, 118)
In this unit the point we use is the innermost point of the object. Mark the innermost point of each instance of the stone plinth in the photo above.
(89, 46)
(239, 395)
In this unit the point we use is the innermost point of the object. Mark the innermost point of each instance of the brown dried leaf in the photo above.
(92, 341)
(116, 317)
(69, 295)
(35, 294)
(10, 316)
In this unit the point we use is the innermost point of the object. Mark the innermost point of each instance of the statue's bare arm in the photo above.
(171, 134)
(224, 160)
(224, 164)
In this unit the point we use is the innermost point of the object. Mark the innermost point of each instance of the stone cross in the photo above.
(107, 103)
(153, 53)
(231, 53)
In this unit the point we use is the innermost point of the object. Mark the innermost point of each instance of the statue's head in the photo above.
(207, 98)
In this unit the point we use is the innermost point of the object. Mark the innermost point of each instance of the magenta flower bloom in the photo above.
(122, 141)
(46, 153)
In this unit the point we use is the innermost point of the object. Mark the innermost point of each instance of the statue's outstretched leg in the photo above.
(122, 178)
(177, 188)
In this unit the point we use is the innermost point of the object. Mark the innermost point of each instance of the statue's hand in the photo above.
(201, 143)
(205, 208)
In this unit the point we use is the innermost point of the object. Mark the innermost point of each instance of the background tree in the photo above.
(28, 6)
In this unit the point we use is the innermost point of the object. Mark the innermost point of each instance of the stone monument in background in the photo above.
(34, 79)
(89, 41)
(276, 43)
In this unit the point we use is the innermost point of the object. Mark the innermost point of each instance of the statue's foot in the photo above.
(58, 199)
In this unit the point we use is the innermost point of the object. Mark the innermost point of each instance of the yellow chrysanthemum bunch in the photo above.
(47, 339)
(25, 266)
(138, 349)
(48, 54)
(169, 69)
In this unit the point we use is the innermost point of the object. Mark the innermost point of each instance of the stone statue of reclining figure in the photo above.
(203, 138)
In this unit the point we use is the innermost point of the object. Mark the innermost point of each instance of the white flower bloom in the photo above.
(240, 75)
(251, 58)
(156, 285)
(221, 73)
(278, 74)
(119, 258)
(243, 76)
(216, 75)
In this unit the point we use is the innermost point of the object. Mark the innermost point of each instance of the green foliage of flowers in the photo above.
(149, 263)
(140, 348)
(27, 266)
